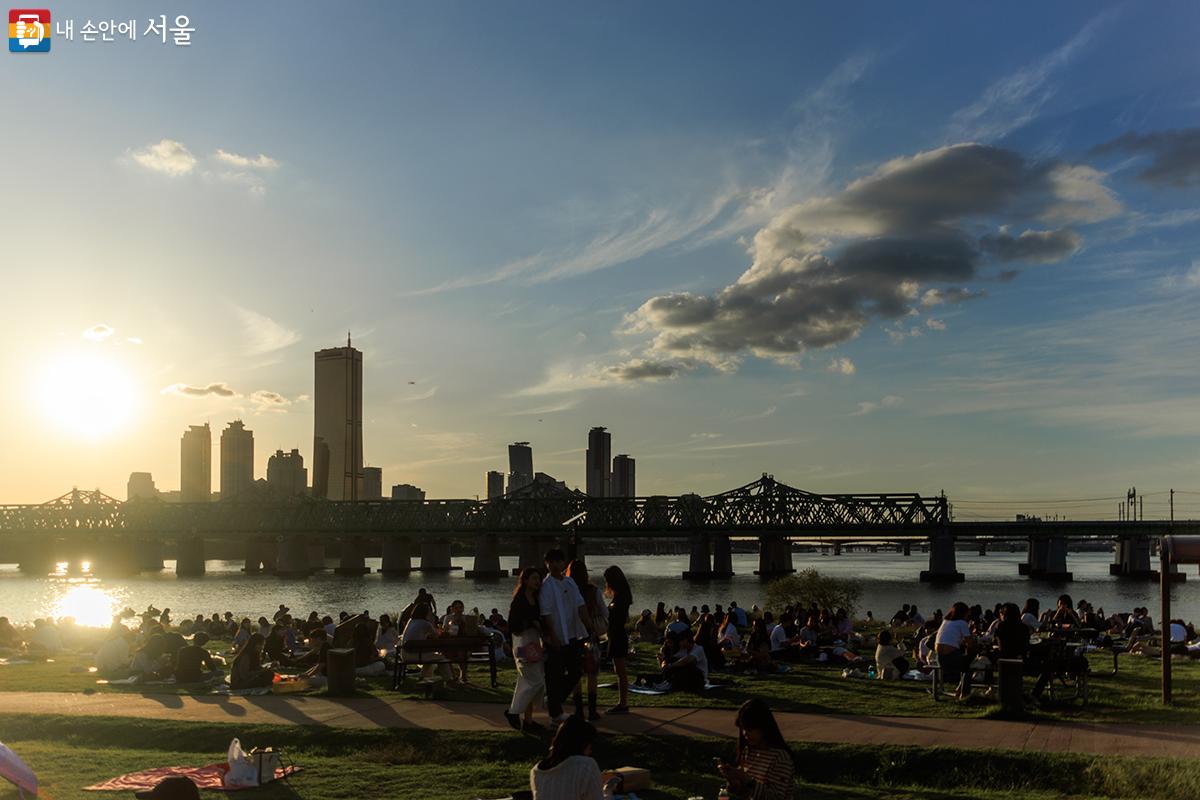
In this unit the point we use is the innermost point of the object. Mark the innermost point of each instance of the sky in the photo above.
(863, 247)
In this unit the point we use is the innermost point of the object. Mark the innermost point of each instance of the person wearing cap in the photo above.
(176, 787)
(191, 660)
(283, 610)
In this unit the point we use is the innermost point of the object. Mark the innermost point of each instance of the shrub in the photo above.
(811, 587)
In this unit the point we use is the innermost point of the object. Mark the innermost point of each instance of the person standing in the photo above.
(565, 627)
(597, 610)
(525, 623)
(616, 586)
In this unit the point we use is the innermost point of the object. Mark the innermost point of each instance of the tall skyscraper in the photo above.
(237, 460)
(195, 465)
(520, 465)
(406, 491)
(372, 488)
(140, 487)
(599, 463)
(623, 484)
(337, 432)
(286, 473)
(495, 484)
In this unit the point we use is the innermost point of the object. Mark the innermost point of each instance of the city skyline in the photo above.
(782, 240)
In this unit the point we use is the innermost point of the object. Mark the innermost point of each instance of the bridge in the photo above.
(289, 536)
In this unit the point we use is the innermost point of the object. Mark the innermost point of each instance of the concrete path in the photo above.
(371, 712)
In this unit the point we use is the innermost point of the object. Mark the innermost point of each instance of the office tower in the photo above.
(623, 477)
(406, 491)
(599, 463)
(286, 474)
(195, 465)
(520, 465)
(337, 430)
(140, 487)
(495, 484)
(372, 488)
(237, 460)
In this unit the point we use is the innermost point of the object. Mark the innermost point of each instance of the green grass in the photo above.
(68, 753)
(1132, 696)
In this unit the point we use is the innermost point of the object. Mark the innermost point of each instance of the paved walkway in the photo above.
(372, 712)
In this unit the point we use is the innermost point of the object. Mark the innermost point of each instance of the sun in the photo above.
(88, 395)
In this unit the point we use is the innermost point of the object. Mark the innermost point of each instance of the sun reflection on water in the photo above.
(84, 599)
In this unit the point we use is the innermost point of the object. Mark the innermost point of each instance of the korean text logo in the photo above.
(29, 30)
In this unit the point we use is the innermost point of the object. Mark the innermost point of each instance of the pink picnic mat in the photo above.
(209, 777)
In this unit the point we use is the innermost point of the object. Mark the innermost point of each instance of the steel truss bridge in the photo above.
(765, 507)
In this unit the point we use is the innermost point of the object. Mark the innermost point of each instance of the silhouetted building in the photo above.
(623, 484)
(140, 487)
(406, 491)
(286, 474)
(599, 462)
(195, 465)
(520, 465)
(237, 460)
(372, 488)
(337, 431)
(495, 484)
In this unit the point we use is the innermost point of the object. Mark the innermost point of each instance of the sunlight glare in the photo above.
(90, 605)
(86, 394)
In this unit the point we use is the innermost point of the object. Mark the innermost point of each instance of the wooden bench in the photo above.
(479, 649)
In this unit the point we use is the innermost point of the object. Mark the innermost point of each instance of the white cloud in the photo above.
(262, 334)
(244, 162)
(267, 400)
(871, 406)
(843, 366)
(935, 324)
(98, 333)
(167, 156)
(213, 389)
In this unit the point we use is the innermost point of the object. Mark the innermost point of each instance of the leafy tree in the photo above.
(809, 587)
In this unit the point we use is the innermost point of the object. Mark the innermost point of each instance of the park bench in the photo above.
(479, 649)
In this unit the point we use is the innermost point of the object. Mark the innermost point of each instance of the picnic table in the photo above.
(478, 648)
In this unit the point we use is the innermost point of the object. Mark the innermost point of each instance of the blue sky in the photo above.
(781, 237)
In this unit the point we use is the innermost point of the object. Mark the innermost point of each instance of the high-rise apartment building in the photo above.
(140, 487)
(237, 460)
(495, 484)
(520, 465)
(372, 488)
(337, 429)
(599, 463)
(286, 473)
(406, 491)
(623, 484)
(195, 465)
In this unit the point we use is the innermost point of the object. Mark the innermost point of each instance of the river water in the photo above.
(888, 579)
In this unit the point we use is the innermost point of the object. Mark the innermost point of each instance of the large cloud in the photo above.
(906, 236)
(1174, 155)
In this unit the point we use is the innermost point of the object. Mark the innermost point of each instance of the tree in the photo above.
(809, 587)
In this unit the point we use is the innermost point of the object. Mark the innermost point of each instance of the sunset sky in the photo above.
(865, 247)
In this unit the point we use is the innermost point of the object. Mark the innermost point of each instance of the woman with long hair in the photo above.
(765, 768)
(598, 611)
(568, 772)
(616, 586)
(525, 625)
(247, 671)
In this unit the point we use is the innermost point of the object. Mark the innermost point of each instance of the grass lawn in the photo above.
(68, 753)
(1132, 696)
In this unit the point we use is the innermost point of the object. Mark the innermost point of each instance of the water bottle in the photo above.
(871, 672)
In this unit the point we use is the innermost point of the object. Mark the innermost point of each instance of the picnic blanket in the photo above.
(209, 777)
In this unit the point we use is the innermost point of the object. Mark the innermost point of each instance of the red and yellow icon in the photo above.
(29, 30)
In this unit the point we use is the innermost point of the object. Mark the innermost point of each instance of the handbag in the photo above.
(530, 653)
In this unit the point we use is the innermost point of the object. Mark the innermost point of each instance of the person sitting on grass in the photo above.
(765, 768)
(10, 638)
(569, 772)
(318, 652)
(728, 637)
(688, 669)
(388, 635)
(190, 660)
(151, 662)
(367, 661)
(646, 630)
(112, 659)
(680, 623)
(247, 670)
(890, 663)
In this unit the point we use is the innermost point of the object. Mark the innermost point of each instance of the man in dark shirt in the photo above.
(190, 660)
(1012, 635)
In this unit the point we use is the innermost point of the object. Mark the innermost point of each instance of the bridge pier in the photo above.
(907, 548)
(532, 553)
(316, 555)
(1048, 559)
(700, 560)
(435, 555)
(774, 557)
(36, 558)
(118, 557)
(1132, 558)
(352, 557)
(487, 558)
(189, 558)
(943, 566)
(150, 555)
(722, 566)
(983, 548)
(293, 558)
(837, 548)
(397, 556)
